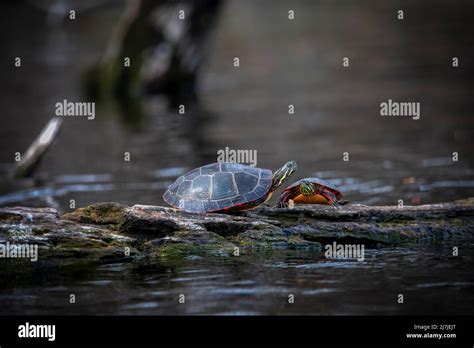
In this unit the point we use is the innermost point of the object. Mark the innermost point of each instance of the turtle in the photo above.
(310, 191)
(225, 187)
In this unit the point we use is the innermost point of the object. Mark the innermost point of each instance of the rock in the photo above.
(112, 232)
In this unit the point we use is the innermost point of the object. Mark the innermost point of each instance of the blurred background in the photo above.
(282, 62)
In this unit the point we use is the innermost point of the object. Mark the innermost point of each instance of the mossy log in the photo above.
(112, 232)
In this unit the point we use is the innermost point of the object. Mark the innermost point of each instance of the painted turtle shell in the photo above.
(319, 182)
(219, 187)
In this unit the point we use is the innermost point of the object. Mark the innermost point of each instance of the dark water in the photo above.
(336, 110)
(431, 280)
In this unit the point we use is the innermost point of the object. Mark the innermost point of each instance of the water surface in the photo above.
(431, 280)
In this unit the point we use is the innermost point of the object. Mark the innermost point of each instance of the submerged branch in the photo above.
(38, 148)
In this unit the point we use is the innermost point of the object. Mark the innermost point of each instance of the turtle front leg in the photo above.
(284, 199)
(331, 198)
(281, 205)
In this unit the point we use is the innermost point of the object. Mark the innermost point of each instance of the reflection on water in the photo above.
(336, 111)
(432, 281)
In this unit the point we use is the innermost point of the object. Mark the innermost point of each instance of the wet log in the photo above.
(112, 232)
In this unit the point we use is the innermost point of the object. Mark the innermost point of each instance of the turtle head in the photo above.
(282, 174)
(307, 188)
